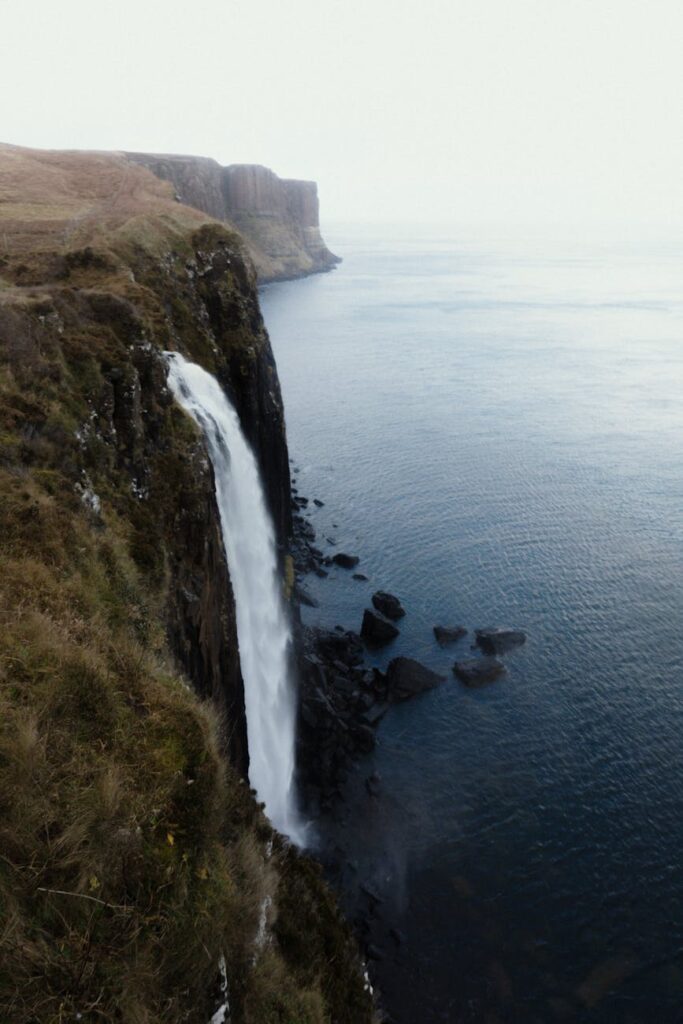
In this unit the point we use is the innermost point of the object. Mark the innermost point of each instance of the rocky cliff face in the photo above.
(135, 859)
(278, 218)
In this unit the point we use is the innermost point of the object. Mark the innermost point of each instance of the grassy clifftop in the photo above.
(133, 857)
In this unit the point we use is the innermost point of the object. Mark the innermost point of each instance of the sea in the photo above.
(494, 422)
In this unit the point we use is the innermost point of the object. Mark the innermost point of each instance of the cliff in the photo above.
(278, 218)
(136, 866)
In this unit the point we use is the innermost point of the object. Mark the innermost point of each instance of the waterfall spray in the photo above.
(263, 628)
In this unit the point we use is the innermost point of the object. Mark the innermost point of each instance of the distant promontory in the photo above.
(277, 217)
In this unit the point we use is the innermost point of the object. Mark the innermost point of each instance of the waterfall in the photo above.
(263, 628)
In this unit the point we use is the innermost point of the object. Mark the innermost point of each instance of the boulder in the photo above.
(449, 634)
(388, 605)
(359, 576)
(338, 645)
(498, 639)
(318, 502)
(406, 677)
(478, 671)
(375, 630)
(345, 561)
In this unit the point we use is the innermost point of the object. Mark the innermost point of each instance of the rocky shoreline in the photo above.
(342, 701)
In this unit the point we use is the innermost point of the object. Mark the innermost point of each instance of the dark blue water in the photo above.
(496, 428)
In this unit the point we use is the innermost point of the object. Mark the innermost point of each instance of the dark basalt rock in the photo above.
(388, 605)
(364, 737)
(338, 711)
(306, 556)
(498, 640)
(334, 645)
(373, 783)
(406, 677)
(449, 634)
(359, 576)
(478, 671)
(345, 561)
(318, 502)
(377, 631)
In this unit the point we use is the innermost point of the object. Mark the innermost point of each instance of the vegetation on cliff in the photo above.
(133, 857)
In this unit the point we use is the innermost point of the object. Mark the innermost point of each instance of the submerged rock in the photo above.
(478, 671)
(375, 630)
(345, 561)
(374, 715)
(359, 576)
(304, 597)
(449, 634)
(388, 605)
(498, 640)
(406, 677)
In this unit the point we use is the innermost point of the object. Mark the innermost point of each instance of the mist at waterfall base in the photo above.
(263, 628)
(496, 429)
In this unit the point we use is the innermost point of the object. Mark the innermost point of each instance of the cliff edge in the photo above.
(139, 879)
(277, 217)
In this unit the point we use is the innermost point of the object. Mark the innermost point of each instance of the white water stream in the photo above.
(263, 629)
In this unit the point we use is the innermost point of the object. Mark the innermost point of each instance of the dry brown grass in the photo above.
(54, 200)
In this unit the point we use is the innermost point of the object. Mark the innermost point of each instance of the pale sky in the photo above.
(439, 110)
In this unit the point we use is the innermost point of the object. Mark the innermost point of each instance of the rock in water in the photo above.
(345, 561)
(359, 576)
(406, 677)
(478, 671)
(338, 645)
(375, 630)
(388, 605)
(449, 634)
(498, 640)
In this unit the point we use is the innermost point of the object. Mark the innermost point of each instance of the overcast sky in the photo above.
(452, 110)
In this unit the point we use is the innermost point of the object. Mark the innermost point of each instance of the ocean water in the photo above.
(495, 426)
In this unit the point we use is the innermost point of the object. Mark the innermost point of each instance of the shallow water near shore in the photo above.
(496, 429)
